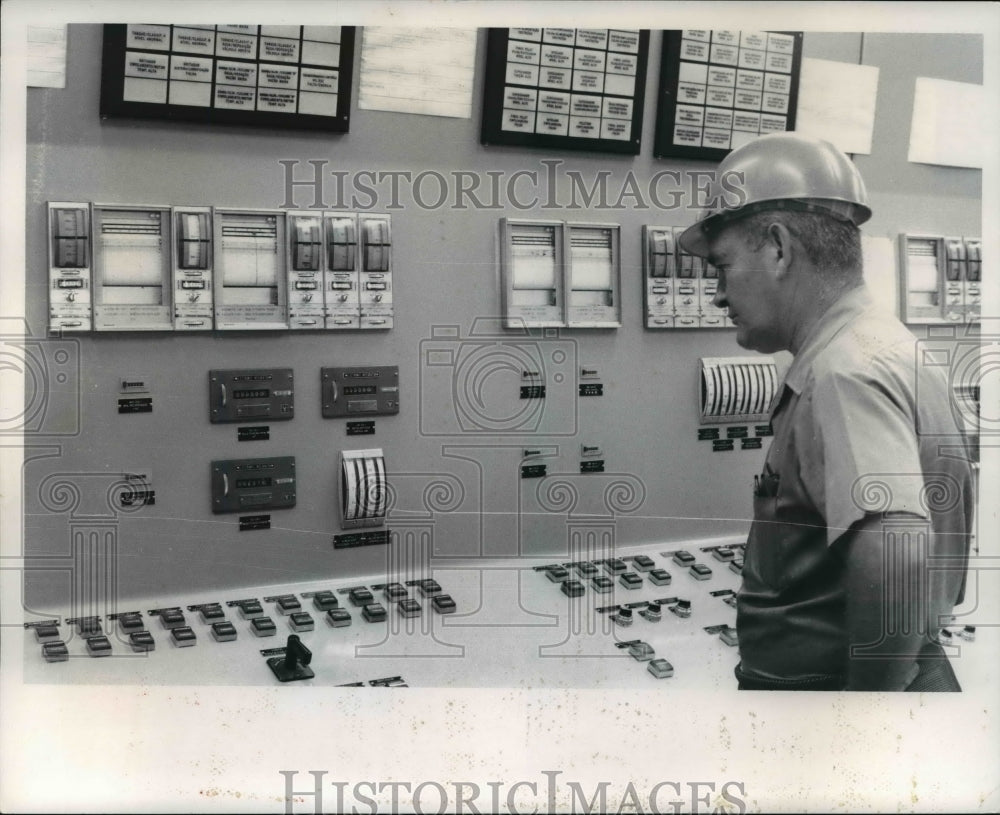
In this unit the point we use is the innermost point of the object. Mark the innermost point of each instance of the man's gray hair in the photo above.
(831, 244)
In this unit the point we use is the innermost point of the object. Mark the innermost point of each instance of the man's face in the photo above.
(749, 288)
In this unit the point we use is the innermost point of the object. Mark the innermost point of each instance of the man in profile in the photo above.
(862, 514)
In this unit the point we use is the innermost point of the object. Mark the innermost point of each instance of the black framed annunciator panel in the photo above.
(720, 89)
(565, 88)
(281, 76)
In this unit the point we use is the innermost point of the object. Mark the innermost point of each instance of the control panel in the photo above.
(239, 485)
(251, 394)
(678, 288)
(941, 279)
(366, 391)
(556, 274)
(116, 267)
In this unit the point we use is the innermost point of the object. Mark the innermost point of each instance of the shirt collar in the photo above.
(855, 302)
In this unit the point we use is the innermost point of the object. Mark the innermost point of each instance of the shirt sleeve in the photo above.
(867, 455)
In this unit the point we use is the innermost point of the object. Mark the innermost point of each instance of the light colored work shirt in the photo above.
(862, 425)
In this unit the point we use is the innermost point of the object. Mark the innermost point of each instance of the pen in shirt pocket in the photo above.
(765, 485)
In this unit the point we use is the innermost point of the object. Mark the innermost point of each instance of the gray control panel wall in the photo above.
(454, 477)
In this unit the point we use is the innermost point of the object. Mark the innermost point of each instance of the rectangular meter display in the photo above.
(366, 391)
(249, 395)
(239, 485)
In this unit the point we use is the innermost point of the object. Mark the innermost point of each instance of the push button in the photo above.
(660, 577)
(288, 604)
(224, 631)
(338, 617)
(55, 651)
(361, 597)
(573, 588)
(130, 621)
(141, 642)
(263, 627)
(212, 613)
(409, 608)
(183, 637)
(630, 580)
(46, 633)
(643, 563)
(683, 558)
(430, 587)
(700, 572)
(172, 618)
(586, 569)
(641, 651)
(615, 566)
(98, 646)
(557, 574)
(325, 600)
(374, 612)
(252, 609)
(660, 668)
(602, 585)
(443, 604)
(302, 621)
(395, 591)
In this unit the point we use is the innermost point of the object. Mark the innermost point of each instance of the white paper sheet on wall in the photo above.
(837, 103)
(947, 126)
(418, 70)
(46, 56)
(879, 264)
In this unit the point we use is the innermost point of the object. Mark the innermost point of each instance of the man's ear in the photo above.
(780, 248)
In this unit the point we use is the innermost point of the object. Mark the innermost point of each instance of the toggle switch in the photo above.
(374, 612)
(361, 597)
(409, 608)
(630, 580)
(660, 668)
(660, 577)
(652, 612)
(294, 664)
(55, 651)
(141, 642)
(302, 621)
(183, 636)
(623, 617)
(682, 608)
(602, 585)
(573, 588)
(643, 563)
(443, 604)
(224, 631)
(325, 600)
(557, 574)
(263, 627)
